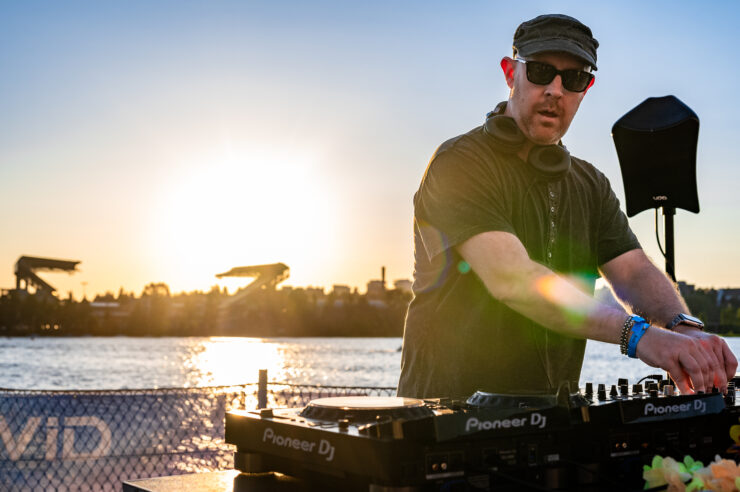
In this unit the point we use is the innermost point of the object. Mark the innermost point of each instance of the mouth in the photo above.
(547, 113)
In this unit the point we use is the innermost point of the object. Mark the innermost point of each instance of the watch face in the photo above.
(689, 320)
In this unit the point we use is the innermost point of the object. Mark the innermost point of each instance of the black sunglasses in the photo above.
(543, 73)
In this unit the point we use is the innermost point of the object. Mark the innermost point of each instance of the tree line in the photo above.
(265, 313)
(156, 312)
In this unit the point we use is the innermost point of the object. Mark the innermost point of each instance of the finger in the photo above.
(714, 377)
(692, 369)
(681, 378)
(720, 377)
(729, 360)
(701, 374)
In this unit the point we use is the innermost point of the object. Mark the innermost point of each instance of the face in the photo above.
(543, 112)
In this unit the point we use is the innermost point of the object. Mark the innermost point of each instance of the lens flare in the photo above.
(564, 294)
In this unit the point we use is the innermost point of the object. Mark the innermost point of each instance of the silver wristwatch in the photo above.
(685, 319)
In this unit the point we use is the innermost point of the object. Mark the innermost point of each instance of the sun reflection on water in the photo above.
(219, 361)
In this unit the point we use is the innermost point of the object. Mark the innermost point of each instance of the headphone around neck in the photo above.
(551, 162)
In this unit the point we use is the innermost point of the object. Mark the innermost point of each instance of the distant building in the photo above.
(339, 290)
(375, 289)
(108, 309)
(403, 285)
(686, 289)
(727, 295)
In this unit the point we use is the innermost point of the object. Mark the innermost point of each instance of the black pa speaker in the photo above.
(656, 146)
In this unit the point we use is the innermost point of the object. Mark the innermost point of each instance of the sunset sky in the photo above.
(169, 141)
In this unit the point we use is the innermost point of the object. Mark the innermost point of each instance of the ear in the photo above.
(591, 84)
(507, 65)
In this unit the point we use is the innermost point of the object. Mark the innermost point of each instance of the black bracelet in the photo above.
(624, 337)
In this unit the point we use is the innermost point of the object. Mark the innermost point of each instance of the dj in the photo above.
(510, 237)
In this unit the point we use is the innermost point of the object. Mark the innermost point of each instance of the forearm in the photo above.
(554, 302)
(645, 290)
(537, 292)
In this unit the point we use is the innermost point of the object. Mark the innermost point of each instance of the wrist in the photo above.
(633, 329)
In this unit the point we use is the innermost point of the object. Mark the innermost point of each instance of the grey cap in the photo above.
(556, 32)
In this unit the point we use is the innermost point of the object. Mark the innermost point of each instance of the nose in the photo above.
(555, 87)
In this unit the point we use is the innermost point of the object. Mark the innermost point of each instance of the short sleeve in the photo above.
(615, 235)
(460, 197)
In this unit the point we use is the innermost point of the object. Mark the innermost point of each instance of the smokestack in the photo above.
(382, 275)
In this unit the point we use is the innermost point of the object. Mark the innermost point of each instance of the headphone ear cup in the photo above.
(549, 161)
(505, 132)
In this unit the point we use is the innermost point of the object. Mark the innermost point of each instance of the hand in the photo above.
(717, 348)
(696, 362)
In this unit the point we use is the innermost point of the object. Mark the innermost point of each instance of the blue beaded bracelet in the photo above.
(638, 330)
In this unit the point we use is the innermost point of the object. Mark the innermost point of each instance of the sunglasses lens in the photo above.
(543, 73)
(576, 80)
(540, 73)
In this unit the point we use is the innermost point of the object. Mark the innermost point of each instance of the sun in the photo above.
(238, 208)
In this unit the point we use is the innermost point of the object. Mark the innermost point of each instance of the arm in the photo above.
(646, 290)
(502, 263)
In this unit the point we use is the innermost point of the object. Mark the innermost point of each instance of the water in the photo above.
(128, 362)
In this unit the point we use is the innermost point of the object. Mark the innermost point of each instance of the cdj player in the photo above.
(584, 441)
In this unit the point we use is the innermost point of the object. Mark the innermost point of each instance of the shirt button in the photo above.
(552, 209)
(552, 194)
(549, 254)
(552, 224)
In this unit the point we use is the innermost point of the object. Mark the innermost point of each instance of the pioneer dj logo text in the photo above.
(698, 406)
(324, 447)
(535, 420)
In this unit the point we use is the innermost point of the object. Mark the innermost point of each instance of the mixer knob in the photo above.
(622, 381)
(668, 390)
(601, 393)
(653, 392)
(613, 391)
(624, 390)
(589, 389)
(636, 389)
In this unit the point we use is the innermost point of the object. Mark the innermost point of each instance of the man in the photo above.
(507, 252)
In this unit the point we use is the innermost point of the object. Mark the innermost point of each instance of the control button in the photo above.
(601, 392)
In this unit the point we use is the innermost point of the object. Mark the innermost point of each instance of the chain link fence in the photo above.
(94, 440)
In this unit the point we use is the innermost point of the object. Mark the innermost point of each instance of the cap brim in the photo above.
(560, 45)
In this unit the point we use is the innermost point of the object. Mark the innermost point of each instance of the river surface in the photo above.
(134, 363)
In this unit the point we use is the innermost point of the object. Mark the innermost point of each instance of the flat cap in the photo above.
(556, 32)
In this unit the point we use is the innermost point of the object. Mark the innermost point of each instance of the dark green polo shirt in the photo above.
(458, 338)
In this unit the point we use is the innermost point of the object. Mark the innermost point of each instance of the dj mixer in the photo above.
(587, 440)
